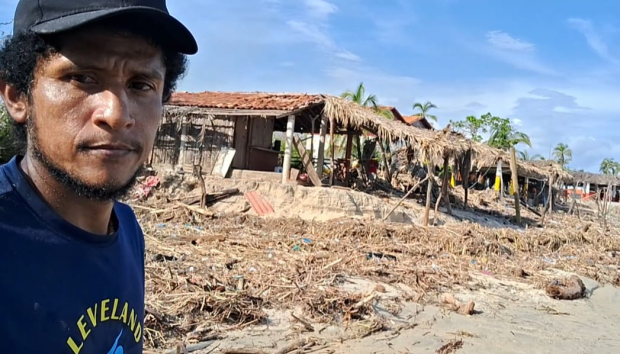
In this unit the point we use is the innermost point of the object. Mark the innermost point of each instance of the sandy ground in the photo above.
(512, 318)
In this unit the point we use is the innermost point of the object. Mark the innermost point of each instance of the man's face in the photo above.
(96, 107)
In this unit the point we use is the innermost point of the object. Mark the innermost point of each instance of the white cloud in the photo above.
(320, 8)
(517, 122)
(348, 56)
(503, 40)
(594, 39)
(312, 33)
(317, 34)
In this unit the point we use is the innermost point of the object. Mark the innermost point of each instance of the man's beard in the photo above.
(105, 192)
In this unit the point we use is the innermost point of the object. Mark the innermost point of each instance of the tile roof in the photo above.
(412, 120)
(241, 100)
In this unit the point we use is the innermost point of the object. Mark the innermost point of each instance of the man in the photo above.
(84, 82)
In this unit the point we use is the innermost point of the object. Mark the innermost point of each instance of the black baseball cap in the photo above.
(57, 16)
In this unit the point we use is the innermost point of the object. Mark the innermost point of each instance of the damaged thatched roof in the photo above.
(598, 179)
(436, 145)
(553, 168)
(540, 170)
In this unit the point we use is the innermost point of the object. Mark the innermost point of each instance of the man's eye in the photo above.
(83, 79)
(141, 86)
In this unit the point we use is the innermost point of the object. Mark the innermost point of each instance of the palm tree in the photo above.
(563, 154)
(359, 96)
(525, 156)
(424, 108)
(610, 167)
(504, 142)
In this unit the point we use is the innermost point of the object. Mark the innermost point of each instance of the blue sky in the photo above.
(552, 66)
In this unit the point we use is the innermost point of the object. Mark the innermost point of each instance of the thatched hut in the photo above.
(588, 184)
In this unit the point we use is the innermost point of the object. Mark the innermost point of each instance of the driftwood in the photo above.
(569, 289)
(457, 306)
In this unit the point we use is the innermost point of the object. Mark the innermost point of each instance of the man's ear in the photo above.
(16, 103)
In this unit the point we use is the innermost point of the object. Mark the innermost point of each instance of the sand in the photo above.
(512, 318)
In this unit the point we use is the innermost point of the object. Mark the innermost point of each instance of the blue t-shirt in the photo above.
(62, 289)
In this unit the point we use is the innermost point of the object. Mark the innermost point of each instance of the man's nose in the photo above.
(111, 111)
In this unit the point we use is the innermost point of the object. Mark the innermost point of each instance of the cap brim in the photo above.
(169, 31)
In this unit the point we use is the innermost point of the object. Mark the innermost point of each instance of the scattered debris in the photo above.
(450, 347)
(520, 273)
(568, 289)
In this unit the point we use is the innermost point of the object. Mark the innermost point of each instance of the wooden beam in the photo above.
(515, 183)
(288, 151)
(306, 159)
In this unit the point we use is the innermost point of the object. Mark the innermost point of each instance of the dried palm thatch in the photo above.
(554, 170)
(433, 145)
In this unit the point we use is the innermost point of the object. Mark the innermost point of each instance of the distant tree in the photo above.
(610, 167)
(424, 109)
(525, 156)
(563, 154)
(471, 127)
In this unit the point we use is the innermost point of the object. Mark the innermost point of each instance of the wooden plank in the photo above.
(307, 161)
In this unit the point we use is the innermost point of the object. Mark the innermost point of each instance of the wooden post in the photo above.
(359, 157)
(288, 151)
(312, 139)
(332, 144)
(515, 183)
(465, 171)
(429, 191)
(348, 156)
(549, 202)
(182, 146)
(444, 186)
(321, 153)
